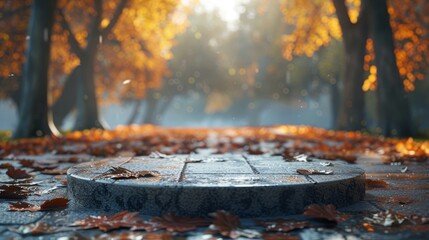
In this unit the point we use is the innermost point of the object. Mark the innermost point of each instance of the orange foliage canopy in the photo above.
(136, 48)
(316, 24)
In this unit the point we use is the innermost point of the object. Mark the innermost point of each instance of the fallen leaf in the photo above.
(327, 212)
(16, 173)
(105, 223)
(314, 172)
(193, 160)
(55, 171)
(23, 206)
(38, 228)
(37, 166)
(174, 223)
(55, 204)
(375, 183)
(6, 165)
(279, 237)
(157, 154)
(281, 225)
(13, 192)
(228, 225)
(123, 173)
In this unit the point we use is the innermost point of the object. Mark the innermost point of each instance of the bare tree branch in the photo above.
(115, 18)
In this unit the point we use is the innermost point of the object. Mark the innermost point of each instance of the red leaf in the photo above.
(228, 225)
(55, 171)
(13, 192)
(23, 206)
(49, 205)
(6, 165)
(35, 229)
(327, 212)
(55, 204)
(105, 223)
(17, 173)
(375, 183)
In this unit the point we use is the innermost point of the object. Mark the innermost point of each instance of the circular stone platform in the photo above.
(249, 186)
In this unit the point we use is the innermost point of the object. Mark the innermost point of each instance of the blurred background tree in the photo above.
(344, 64)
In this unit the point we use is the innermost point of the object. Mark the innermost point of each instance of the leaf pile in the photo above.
(289, 141)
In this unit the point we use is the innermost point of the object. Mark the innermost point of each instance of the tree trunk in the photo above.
(86, 102)
(135, 112)
(151, 107)
(67, 100)
(335, 100)
(35, 118)
(394, 111)
(351, 109)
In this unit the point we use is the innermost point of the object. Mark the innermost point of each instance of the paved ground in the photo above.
(400, 188)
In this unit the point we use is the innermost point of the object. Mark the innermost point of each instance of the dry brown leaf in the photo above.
(326, 212)
(375, 183)
(105, 223)
(6, 165)
(228, 225)
(280, 237)
(23, 206)
(281, 225)
(55, 171)
(55, 204)
(123, 173)
(314, 172)
(38, 228)
(16, 173)
(13, 192)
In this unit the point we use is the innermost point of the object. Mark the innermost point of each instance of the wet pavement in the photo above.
(410, 183)
(396, 172)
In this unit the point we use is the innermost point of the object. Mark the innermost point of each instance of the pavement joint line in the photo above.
(255, 171)
(310, 179)
(182, 172)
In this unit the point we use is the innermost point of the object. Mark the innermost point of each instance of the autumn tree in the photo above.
(394, 112)
(318, 22)
(34, 115)
(134, 52)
